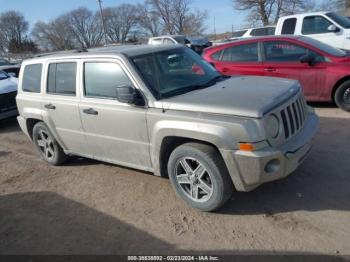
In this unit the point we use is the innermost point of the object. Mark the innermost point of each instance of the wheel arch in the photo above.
(169, 143)
(30, 123)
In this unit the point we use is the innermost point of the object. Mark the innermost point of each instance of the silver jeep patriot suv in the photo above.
(164, 110)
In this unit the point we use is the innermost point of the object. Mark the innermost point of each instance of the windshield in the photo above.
(3, 75)
(176, 71)
(339, 19)
(323, 47)
(239, 33)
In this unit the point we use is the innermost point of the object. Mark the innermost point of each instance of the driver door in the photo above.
(116, 132)
(282, 59)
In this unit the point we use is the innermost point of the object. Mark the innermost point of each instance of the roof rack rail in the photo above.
(80, 50)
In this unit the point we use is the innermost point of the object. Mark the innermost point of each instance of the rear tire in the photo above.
(47, 146)
(342, 96)
(199, 176)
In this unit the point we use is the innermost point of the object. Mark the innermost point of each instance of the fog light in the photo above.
(272, 166)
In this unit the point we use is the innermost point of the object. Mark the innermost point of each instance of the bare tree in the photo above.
(120, 21)
(86, 27)
(13, 29)
(341, 6)
(177, 15)
(149, 20)
(194, 23)
(268, 11)
(56, 35)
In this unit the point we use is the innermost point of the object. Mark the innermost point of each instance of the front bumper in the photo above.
(251, 169)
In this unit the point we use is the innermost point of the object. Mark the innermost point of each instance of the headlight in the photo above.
(272, 125)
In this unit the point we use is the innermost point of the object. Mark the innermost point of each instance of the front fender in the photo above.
(219, 136)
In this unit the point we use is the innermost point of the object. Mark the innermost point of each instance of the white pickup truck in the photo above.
(327, 27)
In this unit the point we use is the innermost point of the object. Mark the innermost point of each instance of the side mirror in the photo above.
(333, 28)
(308, 58)
(127, 94)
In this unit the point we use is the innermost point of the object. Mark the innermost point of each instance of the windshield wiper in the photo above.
(191, 88)
(216, 79)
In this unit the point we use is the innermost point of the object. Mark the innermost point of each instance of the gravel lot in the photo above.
(89, 207)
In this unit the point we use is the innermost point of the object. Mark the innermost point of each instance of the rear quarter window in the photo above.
(31, 81)
(216, 56)
(288, 27)
(62, 78)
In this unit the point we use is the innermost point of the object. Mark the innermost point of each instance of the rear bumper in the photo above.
(23, 125)
(251, 169)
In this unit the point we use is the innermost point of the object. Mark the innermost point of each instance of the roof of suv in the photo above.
(128, 50)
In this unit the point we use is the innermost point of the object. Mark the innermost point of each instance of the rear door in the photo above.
(282, 59)
(116, 132)
(61, 103)
(243, 59)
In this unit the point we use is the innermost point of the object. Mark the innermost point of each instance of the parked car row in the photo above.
(196, 43)
(327, 27)
(233, 120)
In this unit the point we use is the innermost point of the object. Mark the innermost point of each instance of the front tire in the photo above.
(342, 96)
(47, 145)
(199, 176)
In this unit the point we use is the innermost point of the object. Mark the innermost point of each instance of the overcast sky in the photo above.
(46, 10)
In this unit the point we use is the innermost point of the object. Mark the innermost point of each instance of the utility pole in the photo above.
(103, 21)
(214, 28)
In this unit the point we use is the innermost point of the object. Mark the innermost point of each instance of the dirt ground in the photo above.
(89, 207)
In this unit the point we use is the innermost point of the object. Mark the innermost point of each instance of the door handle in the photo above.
(50, 106)
(270, 69)
(225, 70)
(90, 111)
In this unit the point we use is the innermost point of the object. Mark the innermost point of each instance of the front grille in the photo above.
(294, 116)
(8, 101)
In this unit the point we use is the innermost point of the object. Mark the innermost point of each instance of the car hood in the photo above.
(8, 85)
(247, 96)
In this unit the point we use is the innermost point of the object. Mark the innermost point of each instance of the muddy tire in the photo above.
(199, 176)
(342, 96)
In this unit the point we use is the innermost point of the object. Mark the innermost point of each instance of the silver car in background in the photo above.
(8, 92)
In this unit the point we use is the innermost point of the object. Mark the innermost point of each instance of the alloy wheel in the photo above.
(194, 179)
(45, 145)
(346, 96)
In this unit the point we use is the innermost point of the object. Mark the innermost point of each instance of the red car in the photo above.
(322, 70)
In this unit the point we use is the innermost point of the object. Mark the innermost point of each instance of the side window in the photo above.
(157, 41)
(61, 78)
(32, 78)
(102, 78)
(263, 31)
(216, 55)
(241, 53)
(288, 27)
(315, 25)
(168, 41)
(280, 51)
